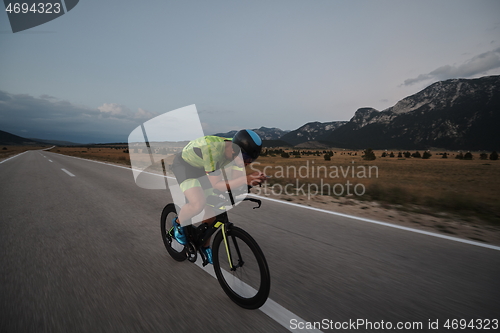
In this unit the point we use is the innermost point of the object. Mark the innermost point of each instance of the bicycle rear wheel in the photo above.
(249, 282)
(176, 250)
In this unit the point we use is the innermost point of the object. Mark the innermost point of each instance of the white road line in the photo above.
(390, 225)
(13, 157)
(69, 173)
(99, 162)
(50, 160)
(272, 309)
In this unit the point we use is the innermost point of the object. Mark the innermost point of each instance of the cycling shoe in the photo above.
(207, 251)
(179, 232)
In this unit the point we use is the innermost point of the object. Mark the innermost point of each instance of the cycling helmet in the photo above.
(250, 144)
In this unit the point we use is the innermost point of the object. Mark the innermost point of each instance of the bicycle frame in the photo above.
(199, 235)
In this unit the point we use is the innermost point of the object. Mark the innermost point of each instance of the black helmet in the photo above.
(250, 144)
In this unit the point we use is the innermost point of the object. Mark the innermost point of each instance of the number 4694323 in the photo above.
(40, 8)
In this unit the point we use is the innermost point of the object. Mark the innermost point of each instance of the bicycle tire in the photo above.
(250, 284)
(176, 250)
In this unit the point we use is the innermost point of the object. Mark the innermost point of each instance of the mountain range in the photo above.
(452, 114)
(266, 133)
(456, 114)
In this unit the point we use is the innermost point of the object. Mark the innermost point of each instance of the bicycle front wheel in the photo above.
(241, 268)
(176, 250)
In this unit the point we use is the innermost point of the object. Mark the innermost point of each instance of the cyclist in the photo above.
(198, 171)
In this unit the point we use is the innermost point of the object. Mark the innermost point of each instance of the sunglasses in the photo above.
(247, 158)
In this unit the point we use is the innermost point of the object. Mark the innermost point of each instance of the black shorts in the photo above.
(189, 176)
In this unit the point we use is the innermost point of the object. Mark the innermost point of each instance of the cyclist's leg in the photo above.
(188, 179)
(194, 205)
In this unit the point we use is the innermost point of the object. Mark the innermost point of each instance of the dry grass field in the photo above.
(444, 195)
(470, 187)
(113, 153)
(466, 187)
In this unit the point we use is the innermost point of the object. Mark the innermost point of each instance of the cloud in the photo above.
(114, 110)
(48, 97)
(476, 65)
(120, 111)
(144, 114)
(47, 117)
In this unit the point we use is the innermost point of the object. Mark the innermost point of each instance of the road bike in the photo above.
(239, 263)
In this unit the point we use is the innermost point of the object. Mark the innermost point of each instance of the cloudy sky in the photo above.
(105, 67)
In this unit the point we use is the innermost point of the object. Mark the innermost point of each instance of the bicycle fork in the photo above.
(228, 249)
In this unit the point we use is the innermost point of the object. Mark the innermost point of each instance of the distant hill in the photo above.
(313, 131)
(57, 142)
(275, 143)
(266, 133)
(8, 139)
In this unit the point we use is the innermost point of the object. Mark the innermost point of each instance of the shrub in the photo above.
(407, 154)
(369, 155)
(494, 156)
(483, 156)
(285, 155)
(460, 156)
(426, 155)
(445, 155)
(416, 155)
(468, 156)
(327, 157)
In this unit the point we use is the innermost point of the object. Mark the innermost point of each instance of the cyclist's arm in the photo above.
(218, 182)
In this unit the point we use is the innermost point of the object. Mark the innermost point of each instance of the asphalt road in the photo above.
(81, 251)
